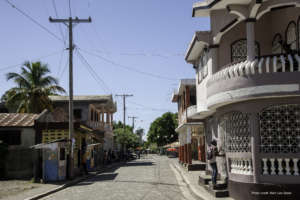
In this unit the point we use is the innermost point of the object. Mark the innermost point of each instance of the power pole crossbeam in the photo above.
(69, 23)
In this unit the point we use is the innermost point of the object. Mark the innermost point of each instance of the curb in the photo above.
(71, 183)
(192, 189)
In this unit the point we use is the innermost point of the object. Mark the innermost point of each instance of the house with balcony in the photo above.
(96, 112)
(190, 128)
(248, 96)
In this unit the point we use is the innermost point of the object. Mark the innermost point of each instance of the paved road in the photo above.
(149, 178)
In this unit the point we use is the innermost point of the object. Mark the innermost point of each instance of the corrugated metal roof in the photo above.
(81, 98)
(17, 119)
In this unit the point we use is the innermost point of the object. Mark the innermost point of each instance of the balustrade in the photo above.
(241, 166)
(264, 64)
(280, 166)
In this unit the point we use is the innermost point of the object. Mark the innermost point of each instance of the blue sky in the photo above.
(147, 36)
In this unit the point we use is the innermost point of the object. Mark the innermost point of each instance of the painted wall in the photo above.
(265, 28)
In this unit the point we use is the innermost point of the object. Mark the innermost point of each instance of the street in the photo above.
(151, 177)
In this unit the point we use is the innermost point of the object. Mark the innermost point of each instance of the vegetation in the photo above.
(127, 139)
(162, 129)
(33, 86)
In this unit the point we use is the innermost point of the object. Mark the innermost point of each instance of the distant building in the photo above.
(190, 128)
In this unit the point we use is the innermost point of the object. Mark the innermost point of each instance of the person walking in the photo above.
(211, 157)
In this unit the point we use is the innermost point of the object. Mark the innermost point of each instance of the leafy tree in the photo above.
(34, 85)
(162, 129)
(119, 124)
(127, 139)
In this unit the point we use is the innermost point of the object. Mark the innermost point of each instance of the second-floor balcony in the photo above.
(266, 76)
(191, 111)
(99, 125)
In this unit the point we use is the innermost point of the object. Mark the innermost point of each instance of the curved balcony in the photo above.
(267, 76)
(191, 111)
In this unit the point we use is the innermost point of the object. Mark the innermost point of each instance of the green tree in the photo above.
(33, 86)
(127, 139)
(162, 129)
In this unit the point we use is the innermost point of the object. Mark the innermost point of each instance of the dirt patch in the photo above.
(14, 187)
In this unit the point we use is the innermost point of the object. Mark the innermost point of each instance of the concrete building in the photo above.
(96, 112)
(18, 132)
(247, 85)
(190, 129)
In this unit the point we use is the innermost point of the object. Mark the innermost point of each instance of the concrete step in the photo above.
(196, 167)
(219, 186)
(217, 193)
(204, 179)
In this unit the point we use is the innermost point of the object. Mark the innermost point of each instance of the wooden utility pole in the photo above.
(133, 120)
(124, 107)
(69, 23)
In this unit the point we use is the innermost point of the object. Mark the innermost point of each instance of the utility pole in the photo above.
(69, 23)
(133, 119)
(124, 107)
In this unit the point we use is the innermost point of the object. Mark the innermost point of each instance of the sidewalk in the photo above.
(191, 179)
(20, 190)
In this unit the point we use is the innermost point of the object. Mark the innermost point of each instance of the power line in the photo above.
(59, 25)
(150, 108)
(64, 69)
(60, 61)
(17, 65)
(33, 20)
(129, 68)
(70, 10)
(145, 54)
(93, 73)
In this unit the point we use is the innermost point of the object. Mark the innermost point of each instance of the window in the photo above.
(291, 36)
(77, 113)
(277, 44)
(11, 137)
(62, 154)
(202, 70)
(92, 115)
(239, 50)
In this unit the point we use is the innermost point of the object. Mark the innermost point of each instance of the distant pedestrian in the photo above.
(211, 157)
(84, 164)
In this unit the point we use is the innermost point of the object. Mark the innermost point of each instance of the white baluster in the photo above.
(233, 166)
(282, 63)
(241, 68)
(268, 65)
(247, 167)
(265, 169)
(260, 65)
(298, 60)
(287, 166)
(235, 70)
(275, 64)
(244, 166)
(280, 172)
(250, 167)
(253, 64)
(296, 169)
(247, 69)
(231, 75)
(291, 63)
(272, 166)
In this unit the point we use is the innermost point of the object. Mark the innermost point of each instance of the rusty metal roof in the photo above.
(17, 119)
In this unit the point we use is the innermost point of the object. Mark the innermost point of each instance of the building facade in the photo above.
(96, 112)
(248, 96)
(190, 128)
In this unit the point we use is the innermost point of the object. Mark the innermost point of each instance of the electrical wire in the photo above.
(60, 62)
(149, 108)
(64, 69)
(129, 68)
(70, 10)
(93, 73)
(33, 20)
(20, 64)
(59, 25)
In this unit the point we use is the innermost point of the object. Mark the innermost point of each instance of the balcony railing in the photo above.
(261, 65)
(192, 110)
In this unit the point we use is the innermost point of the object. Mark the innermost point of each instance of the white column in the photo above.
(250, 24)
(214, 57)
(189, 135)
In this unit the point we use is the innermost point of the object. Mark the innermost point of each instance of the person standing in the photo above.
(211, 157)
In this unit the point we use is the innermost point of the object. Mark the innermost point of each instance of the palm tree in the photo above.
(32, 90)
